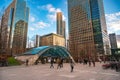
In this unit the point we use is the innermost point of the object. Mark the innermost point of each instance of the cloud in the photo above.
(64, 18)
(51, 12)
(113, 17)
(113, 22)
(51, 17)
(31, 18)
(38, 25)
(32, 29)
(35, 24)
(41, 24)
(50, 8)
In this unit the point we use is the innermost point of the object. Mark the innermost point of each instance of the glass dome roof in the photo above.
(49, 51)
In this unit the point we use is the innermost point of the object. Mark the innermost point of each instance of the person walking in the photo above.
(72, 65)
(59, 63)
(89, 62)
(52, 62)
(93, 61)
(62, 62)
(100, 60)
(27, 62)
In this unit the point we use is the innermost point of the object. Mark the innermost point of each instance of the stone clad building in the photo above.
(52, 39)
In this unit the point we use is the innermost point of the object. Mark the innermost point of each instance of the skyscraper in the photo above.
(87, 29)
(14, 26)
(63, 29)
(60, 25)
(113, 41)
(37, 39)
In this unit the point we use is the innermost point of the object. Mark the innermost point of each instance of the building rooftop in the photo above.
(52, 34)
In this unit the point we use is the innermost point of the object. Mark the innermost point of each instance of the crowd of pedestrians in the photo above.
(88, 61)
(60, 62)
(85, 61)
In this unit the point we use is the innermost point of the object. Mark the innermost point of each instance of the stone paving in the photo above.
(43, 72)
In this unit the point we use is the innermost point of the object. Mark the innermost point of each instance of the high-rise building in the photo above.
(52, 39)
(20, 37)
(113, 41)
(14, 26)
(87, 29)
(0, 38)
(37, 41)
(68, 44)
(63, 29)
(60, 25)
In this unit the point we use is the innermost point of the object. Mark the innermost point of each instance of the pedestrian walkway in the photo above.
(44, 72)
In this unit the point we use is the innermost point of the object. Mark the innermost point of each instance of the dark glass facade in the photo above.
(19, 39)
(113, 41)
(87, 28)
(95, 16)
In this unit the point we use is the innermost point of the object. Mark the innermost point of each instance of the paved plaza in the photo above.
(43, 72)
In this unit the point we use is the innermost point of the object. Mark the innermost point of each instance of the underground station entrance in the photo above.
(44, 54)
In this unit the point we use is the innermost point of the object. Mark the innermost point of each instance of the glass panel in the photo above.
(49, 51)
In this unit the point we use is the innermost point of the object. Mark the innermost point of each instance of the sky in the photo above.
(42, 17)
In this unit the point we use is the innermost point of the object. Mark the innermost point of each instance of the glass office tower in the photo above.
(113, 41)
(87, 29)
(15, 17)
(60, 24)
